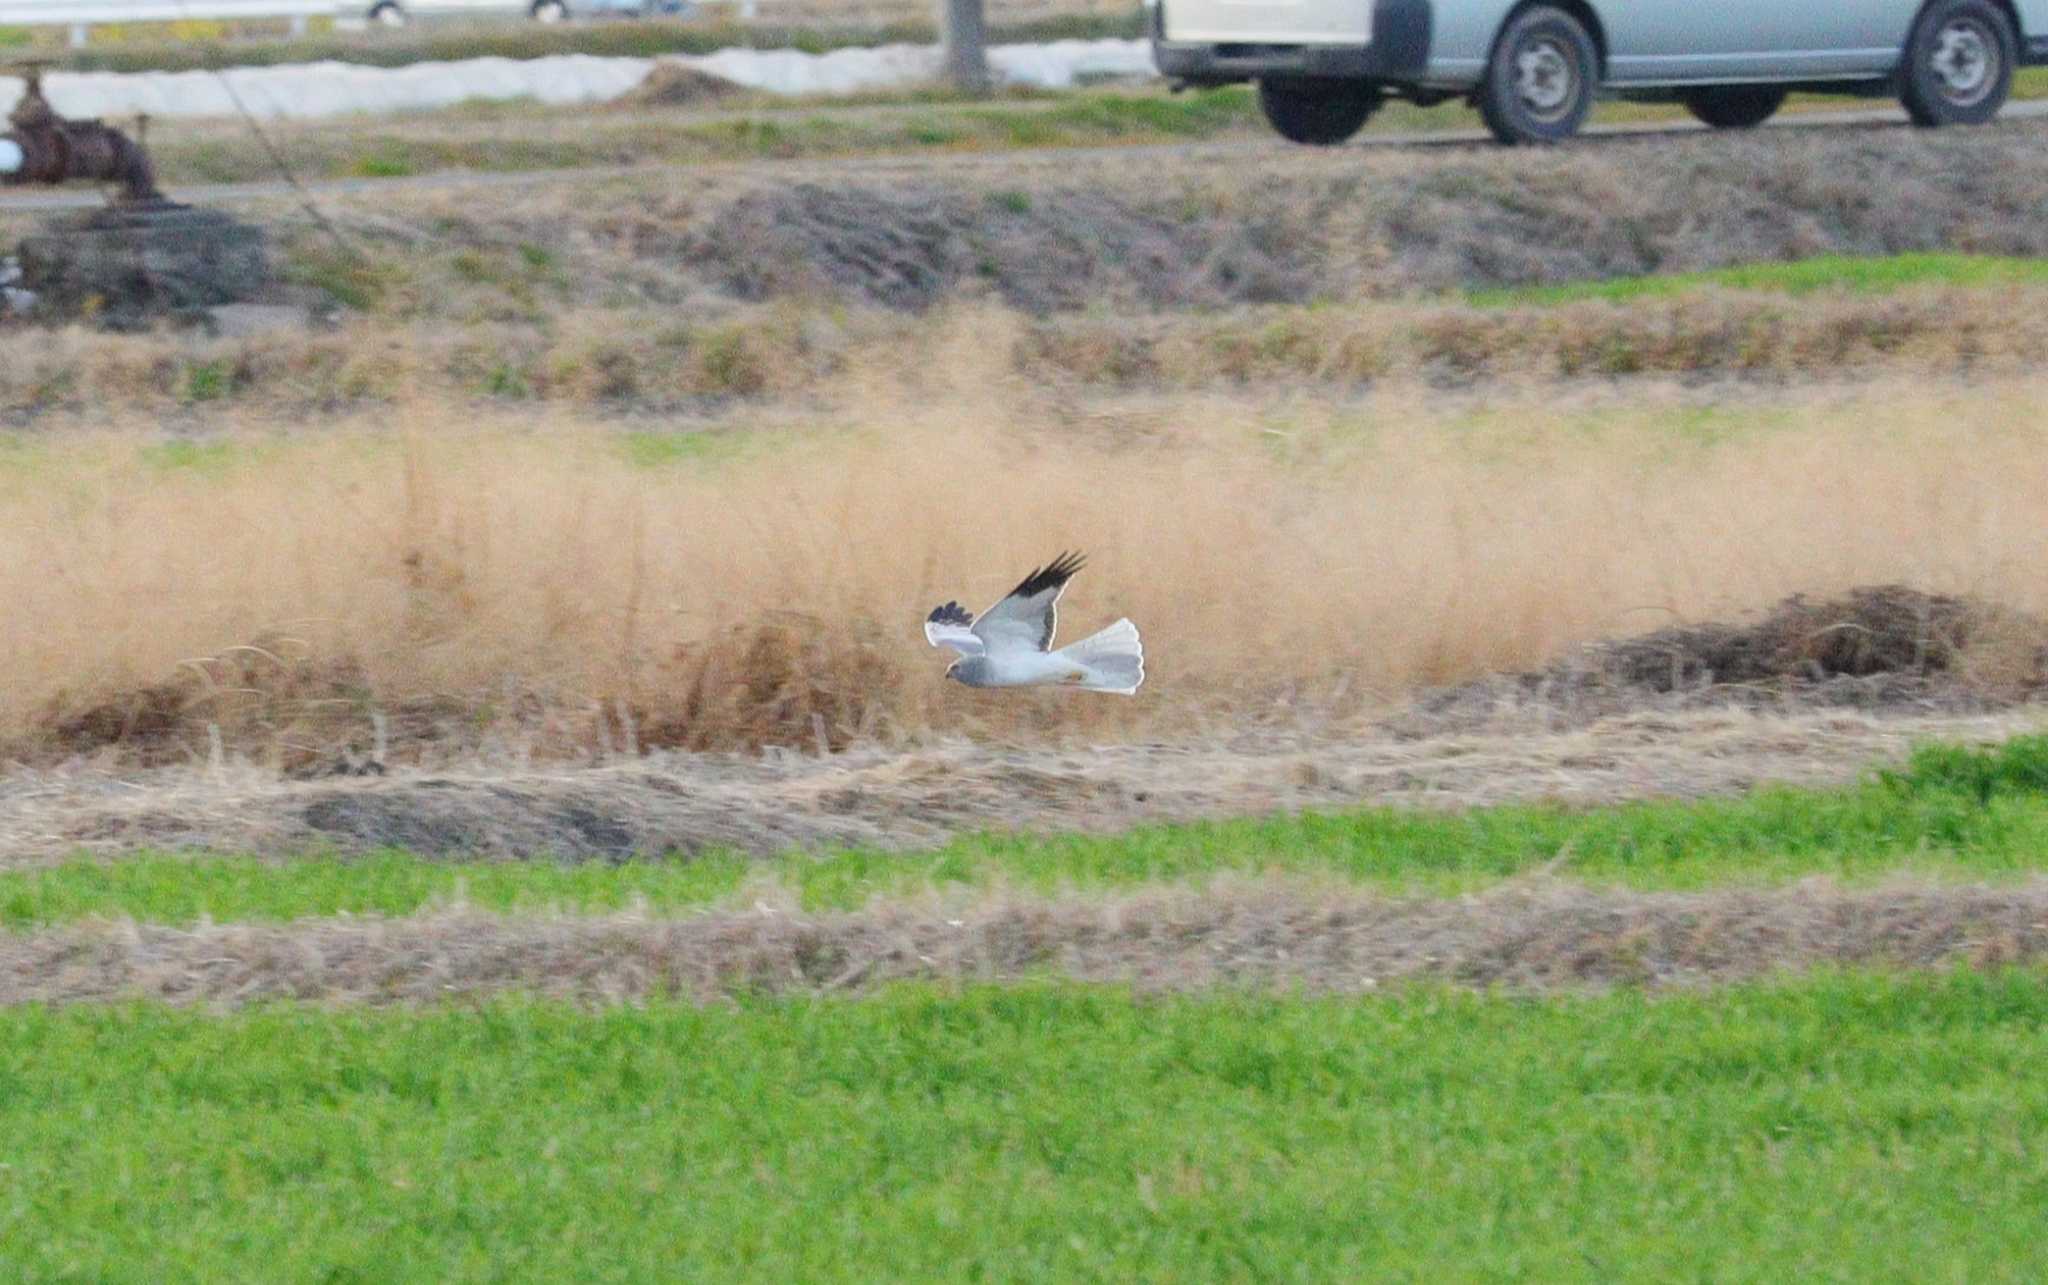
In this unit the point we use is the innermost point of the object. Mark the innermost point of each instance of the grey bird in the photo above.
(1010, 644)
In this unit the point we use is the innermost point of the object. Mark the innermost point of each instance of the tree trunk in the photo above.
(962, 30)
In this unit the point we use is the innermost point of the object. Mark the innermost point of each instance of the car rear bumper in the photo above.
(1399, 51)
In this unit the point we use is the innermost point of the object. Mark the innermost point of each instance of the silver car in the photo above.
(1533, 67)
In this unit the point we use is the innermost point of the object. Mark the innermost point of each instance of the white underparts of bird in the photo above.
(1010, 644)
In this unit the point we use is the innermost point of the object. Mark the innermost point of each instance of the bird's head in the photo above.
(968, 671)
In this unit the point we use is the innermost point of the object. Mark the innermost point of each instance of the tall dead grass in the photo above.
(639, 359)
(551, 586)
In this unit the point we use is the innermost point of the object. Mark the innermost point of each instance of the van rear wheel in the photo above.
(1735, 106)
(1318, 112)
(1958, 64)
(1539, 83)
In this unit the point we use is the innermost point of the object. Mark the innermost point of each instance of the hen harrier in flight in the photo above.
(1010, 644)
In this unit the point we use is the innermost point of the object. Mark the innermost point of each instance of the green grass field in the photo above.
(1872, 274)
(1843, 1128)
(1950, 813)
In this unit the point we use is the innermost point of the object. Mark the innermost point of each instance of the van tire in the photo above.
(1540, 80)
(1321, 113)
(1735, 106)
(1957, 66)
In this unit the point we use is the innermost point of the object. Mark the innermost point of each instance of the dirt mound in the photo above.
(1538, 937)
(673, 84)
(266, 693)
(1883, 629)
(1877, 647)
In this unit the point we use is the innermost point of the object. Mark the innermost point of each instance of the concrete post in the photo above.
(963, 36)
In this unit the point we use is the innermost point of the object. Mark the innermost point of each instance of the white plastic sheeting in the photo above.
(12, 297)
(309, 90)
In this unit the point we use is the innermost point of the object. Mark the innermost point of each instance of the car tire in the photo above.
(1321, 113)
(1735, 106)
(1539, 83)
(388, 14)
(550, 11)
(1957, 66)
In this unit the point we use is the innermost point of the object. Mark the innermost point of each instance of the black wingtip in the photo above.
(1052, 575)
(951, 613)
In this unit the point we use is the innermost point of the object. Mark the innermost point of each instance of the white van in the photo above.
(396, 13)
(1533, 67)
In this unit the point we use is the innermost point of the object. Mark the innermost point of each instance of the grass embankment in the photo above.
(1842, 1127)
(1951, 813)
(1673, 257)
(445, 42)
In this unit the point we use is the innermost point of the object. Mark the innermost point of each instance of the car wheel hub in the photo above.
(1965, 62)
(1544, 79)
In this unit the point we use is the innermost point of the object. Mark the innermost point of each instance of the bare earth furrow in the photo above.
(916, 799)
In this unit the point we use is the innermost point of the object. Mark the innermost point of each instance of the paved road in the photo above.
(232, 193)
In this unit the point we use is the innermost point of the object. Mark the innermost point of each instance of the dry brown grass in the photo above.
(638, 359)
(542, 583)
(1541, 936)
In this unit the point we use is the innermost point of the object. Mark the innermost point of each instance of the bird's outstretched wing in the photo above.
(1025, 620)
(949, 626)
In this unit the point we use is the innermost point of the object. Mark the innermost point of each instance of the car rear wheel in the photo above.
(1317, 112)
(1539, 83)
(1958, 64)
(1735, 106)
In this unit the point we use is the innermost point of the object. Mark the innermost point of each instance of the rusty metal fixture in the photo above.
(54, 150)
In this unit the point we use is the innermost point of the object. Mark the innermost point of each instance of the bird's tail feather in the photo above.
(1114, 659)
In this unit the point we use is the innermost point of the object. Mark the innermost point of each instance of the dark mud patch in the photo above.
(1536, 938)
